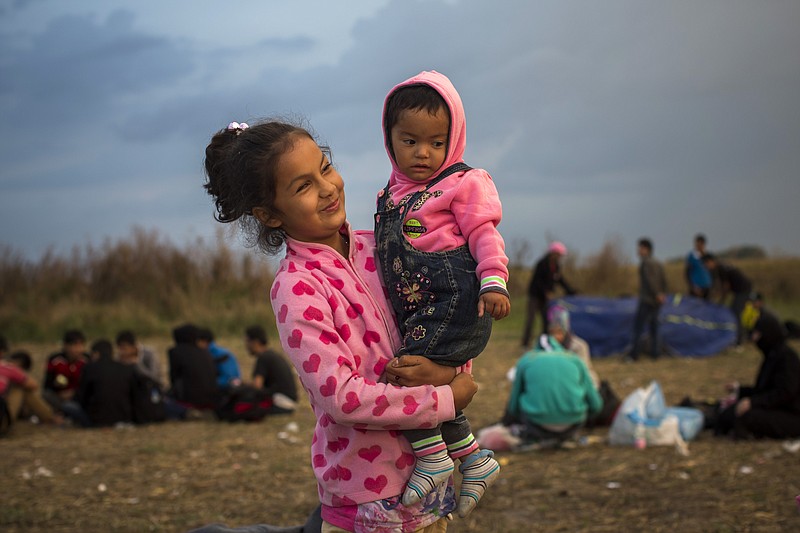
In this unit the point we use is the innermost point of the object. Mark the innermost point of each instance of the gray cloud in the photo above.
(596, 120)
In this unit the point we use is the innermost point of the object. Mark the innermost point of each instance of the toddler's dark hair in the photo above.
(413, 97)
(240, 167)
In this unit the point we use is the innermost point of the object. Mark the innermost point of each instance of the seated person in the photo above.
(558, 327)
(272, 371)
(131, 352)
(228, 373)
(771, 407)
(106, 388)
(192, 374)
(21, 391)
(63, 373)
(552, 395)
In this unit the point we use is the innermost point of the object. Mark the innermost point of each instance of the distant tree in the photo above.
(744, 251)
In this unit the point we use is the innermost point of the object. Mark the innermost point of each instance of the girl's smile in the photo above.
(309, 196)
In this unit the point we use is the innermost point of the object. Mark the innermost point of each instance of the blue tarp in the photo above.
(689, 326)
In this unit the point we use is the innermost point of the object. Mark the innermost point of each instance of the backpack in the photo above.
(245, 403)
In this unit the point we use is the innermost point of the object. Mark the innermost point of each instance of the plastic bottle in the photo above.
(639, 437)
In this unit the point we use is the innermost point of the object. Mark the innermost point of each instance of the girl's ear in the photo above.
(266, 218)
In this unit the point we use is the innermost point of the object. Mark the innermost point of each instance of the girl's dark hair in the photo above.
(413, 97)
(240, 167)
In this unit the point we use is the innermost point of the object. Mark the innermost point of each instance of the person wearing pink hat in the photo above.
(546, 275)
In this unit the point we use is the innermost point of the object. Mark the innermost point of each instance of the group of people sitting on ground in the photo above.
(97, 388)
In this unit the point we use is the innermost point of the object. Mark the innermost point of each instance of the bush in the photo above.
(142, 282)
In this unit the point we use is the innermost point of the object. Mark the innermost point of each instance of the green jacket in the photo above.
(553, 387)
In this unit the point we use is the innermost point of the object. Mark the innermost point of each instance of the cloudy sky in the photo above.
(598, 120)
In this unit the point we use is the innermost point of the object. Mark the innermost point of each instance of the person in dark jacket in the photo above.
(106, 388)
(272, 372)
(192, 372)
(731, 280)
(546, 276)
(771, 407)
(652, 294)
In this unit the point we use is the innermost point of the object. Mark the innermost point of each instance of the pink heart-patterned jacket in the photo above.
(337, 328)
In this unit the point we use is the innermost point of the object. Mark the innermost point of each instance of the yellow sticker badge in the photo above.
(413, 228)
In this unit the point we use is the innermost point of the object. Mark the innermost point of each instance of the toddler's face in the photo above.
(419, 141)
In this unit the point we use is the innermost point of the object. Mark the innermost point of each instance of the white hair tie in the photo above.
(238, 127)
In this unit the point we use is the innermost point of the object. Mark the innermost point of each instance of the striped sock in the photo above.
(466, 446)
(479, 470)
(429, 471)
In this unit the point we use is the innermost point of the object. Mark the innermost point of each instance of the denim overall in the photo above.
(434, 294)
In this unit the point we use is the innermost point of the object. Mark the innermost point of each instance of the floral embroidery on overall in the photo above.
(412, 289)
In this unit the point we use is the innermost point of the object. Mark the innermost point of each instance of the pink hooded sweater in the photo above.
(465, 207)
(337, 328)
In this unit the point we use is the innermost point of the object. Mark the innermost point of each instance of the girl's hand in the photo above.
(415, 370)
(496, 304)
(464, 388)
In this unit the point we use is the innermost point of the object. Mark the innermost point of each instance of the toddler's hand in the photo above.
(464, 388)
(496, 304)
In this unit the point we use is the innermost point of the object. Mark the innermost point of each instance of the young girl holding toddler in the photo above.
(336, 326)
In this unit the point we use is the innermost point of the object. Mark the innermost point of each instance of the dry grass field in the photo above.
(176, 476)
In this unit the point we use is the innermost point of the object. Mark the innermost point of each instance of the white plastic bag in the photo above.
(646, 406)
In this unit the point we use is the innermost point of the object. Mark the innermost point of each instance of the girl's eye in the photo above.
(326, 167)
(438, 144)
(303, 186)
(408, 142)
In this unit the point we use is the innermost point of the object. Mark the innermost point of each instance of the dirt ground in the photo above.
(177, 476)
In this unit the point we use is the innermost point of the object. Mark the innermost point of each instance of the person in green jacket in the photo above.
(552, 395)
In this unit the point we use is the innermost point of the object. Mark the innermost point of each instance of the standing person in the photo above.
(731, 280)
(107, 388)
(192, 374)
(336, 327)
(228, 373)
(698, 277)
(541, 290)
(63, 372)
(272, 372)
(440, 256)
(652, 295)
(131, 352)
